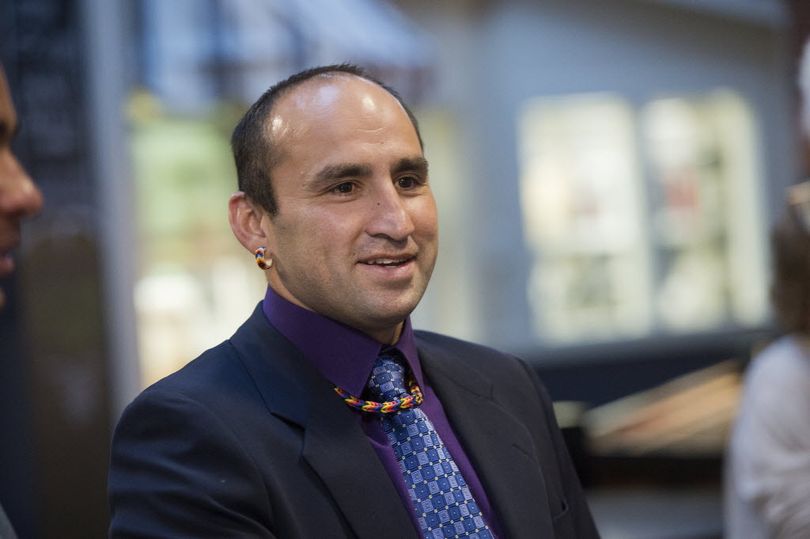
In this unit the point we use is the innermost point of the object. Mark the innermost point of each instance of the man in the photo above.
(19, 198)
(301, 424)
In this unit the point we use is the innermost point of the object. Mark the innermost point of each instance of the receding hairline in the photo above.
(326, 75)
(319, 79)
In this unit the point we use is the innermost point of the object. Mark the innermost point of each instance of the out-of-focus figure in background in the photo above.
(19, 198)
(768, 470)
(768, 483)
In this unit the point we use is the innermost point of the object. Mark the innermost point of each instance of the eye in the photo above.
(344, 188)
(408, 182)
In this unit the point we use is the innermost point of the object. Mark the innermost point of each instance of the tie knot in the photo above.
(387, 380)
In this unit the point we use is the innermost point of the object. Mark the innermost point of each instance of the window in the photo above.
(640, 220)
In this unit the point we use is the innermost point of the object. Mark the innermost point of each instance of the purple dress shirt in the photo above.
(345, 357)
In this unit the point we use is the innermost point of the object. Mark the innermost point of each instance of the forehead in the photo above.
(329, 98)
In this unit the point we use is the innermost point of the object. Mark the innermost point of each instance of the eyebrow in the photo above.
(416, 164)
(331, 173)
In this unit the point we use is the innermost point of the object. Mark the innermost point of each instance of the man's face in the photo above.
(356, 234)
(19, 197)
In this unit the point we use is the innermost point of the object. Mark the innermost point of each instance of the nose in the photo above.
(19, 196)
(390, 217)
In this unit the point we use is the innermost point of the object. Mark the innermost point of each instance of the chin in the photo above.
(391, 317)
(391, 313)
(384, 310)
(403, 304)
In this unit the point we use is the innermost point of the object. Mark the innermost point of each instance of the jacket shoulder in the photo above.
(216, 369)
(445, 343)
(211, 368)
(442, 348)
(510, 376)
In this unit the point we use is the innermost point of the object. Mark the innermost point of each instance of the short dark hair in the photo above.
(255, 154)
(790, 289)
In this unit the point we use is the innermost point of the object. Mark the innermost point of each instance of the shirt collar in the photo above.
(344, 355)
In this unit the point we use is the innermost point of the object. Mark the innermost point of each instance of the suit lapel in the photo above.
(498, 445)
(334, 445)
(338, 450)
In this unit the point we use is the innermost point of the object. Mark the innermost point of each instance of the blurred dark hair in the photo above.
(790, 290)
(253, 151)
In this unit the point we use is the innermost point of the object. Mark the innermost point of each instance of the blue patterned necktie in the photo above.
(442, 499)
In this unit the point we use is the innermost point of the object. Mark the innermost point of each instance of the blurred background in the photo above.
(606, 174)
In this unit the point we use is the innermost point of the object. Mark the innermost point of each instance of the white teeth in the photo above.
(386, 262)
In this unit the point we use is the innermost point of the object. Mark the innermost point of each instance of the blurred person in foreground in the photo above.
(326, 414)
(768, 459)
(19, 198)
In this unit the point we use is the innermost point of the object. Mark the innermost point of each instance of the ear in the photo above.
(245, 218)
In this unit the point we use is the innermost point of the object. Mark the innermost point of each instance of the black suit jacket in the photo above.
(249, 440)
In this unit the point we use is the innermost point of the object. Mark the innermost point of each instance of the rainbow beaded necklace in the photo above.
(388, 407)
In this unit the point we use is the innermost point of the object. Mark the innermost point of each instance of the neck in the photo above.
(387, 336)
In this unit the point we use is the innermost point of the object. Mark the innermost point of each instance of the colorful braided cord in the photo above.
(409, 401)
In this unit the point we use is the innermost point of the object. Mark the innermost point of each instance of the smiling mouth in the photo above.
(388, 262)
